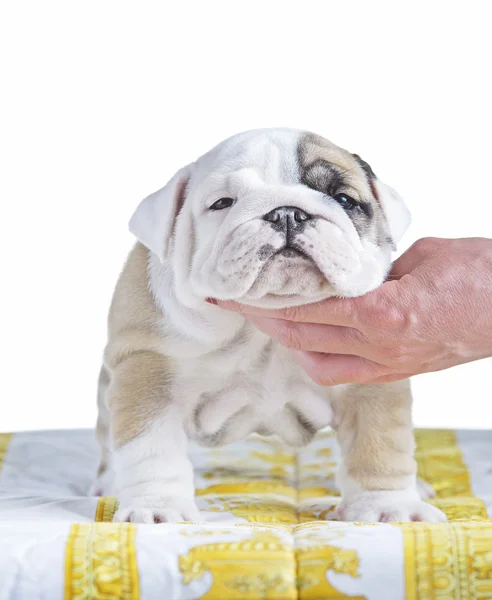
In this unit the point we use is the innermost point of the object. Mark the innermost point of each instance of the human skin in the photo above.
(433, 312)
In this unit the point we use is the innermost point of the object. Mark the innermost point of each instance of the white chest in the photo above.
(251, 386)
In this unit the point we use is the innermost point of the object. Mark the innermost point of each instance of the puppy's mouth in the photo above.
(288, 274)
(290, 251)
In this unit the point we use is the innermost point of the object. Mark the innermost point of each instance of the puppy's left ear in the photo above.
(152, 223)
(394, 208)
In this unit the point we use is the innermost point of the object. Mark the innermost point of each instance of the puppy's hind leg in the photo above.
(104, 481)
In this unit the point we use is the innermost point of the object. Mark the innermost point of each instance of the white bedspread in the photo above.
(264, 533)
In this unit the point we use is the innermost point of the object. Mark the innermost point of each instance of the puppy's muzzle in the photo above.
(289, 221)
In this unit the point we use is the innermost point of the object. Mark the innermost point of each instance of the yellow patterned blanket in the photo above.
(264, 533)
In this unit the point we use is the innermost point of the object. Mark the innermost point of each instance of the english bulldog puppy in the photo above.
(271, 218)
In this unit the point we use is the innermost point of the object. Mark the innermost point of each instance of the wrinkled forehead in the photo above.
(272, 154)
(281, 156)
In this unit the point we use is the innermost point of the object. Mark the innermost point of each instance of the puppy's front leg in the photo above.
(378, 473)
(154, 476)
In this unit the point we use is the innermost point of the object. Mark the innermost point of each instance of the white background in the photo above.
(102, 101)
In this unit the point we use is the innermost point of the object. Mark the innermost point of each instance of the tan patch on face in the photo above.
(313, 148)
(331, 170)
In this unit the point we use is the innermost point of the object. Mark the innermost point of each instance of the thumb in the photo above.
(418, 253)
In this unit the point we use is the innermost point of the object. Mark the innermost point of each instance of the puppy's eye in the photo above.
(346, 202)
(222, 203)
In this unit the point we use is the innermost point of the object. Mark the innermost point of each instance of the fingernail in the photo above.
(211, 301)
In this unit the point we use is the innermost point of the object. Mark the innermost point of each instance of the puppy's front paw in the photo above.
(387, 507)
(157, 510)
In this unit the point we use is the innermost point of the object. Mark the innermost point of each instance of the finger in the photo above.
(335, 369)
(404, 265)
(390, 378)
(330, 339)
(333, 311)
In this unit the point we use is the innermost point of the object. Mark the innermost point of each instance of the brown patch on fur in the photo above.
(138, 374)
(133, 314)
(102, 426)
(313, 147)
(138, 393)
(374, 429)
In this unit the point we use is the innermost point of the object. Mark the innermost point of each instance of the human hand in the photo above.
(434, 312)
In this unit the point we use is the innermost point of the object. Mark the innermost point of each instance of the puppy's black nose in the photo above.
(286, 218)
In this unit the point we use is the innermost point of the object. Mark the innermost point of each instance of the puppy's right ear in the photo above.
(152, 223)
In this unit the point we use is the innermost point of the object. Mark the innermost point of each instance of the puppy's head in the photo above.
(274, 218)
